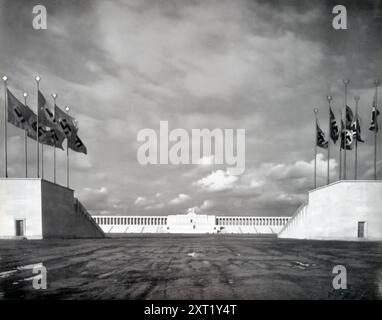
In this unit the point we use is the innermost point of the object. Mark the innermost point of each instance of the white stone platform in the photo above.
(344, 210)
(37, 209)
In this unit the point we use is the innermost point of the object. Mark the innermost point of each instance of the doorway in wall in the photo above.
(19, 228)
(361, 229)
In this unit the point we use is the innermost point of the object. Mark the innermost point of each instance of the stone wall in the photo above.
(47, 209)
(334, 212)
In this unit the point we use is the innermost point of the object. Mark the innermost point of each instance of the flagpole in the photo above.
(376, 83)
(42, 155)
(341, 129)
(5, 78)
(26, 139)
(42, 161)
(315, 148)
(54, 95)
(356, 98)
(346, 83)
(329, 98)
(67, 154)
(37, 130)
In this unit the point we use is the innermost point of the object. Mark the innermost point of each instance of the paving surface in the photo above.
(190, 267)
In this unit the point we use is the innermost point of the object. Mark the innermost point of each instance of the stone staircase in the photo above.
(294, 220)
(81, 211)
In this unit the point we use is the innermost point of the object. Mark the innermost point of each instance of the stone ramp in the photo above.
(63, 216)
(81, 211)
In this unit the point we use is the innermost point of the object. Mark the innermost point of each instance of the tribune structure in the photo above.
(33, 208)
(343, 210)
(191, 223)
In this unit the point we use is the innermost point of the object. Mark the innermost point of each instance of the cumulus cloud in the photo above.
(296, 176)
(181, 198)
(207, 204)
(95, 199)
(299, 169)
(140, 201)
(100, 191)
(203, 208)
(193, 210)
(217, 181)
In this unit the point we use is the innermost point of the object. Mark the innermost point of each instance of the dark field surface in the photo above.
(190, 267)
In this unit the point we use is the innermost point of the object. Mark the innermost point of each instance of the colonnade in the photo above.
(251, 221)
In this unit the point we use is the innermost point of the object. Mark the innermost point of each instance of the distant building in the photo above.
(191, 223)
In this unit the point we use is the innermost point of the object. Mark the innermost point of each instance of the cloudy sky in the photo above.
(125, 65)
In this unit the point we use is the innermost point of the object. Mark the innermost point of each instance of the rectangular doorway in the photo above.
(19, 228)
(361, 229)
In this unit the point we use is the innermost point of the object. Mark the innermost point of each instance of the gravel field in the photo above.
(190, 267)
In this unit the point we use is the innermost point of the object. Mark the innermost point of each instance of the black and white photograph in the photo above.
(190, 150)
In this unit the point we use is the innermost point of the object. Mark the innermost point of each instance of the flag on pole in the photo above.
(46, 134)
(76, 144)
(24, 118)
(55, 136)
(349, 117)
(346, 137)
(45, 115)
(42, 134)
(334, 132)
(18, 114)
(321, 140)
(356, 128)
(374, 117)
(66, 123)
(69, 127)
